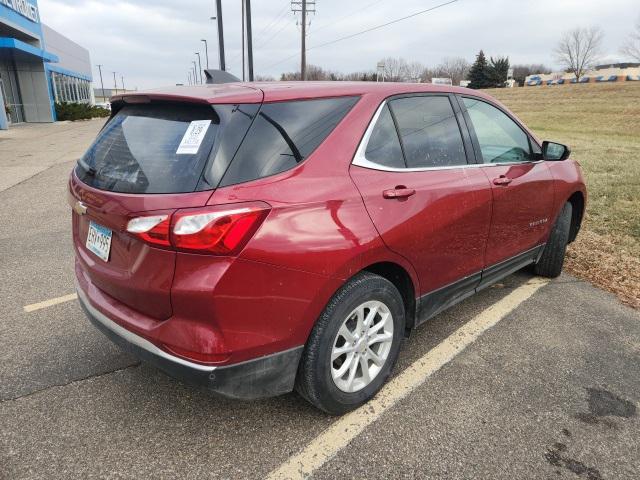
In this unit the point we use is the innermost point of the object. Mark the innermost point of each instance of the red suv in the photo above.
(256, 238)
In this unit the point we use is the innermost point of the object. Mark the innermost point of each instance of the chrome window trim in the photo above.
(360, 159)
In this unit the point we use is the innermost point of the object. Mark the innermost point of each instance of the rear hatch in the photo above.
(151, 158)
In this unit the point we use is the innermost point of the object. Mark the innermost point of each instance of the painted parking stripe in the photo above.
(340, 433)
(49, 303)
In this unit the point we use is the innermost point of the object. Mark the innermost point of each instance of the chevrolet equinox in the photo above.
(257, 238)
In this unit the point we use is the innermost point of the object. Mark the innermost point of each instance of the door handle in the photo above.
(398, 192)
(502, 180)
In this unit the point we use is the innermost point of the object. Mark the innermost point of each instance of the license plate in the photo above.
(99, 240)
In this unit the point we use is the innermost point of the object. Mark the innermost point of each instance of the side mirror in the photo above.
(555, 151)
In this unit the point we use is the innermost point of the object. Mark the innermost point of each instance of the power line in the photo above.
(274, 22)
(366, 31)
(265, 42)
(283, 27)
(346, 16)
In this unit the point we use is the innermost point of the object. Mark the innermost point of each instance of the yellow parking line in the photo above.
(48, 303)
(341, 432)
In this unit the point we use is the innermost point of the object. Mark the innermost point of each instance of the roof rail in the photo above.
(219, 76)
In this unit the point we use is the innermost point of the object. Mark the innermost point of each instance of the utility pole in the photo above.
(206, 51)
(101, 84)
(243, 62)
(304, 7)
(115, 84)
(122, 78)
(303, 58)
(199, 66)
(220, 34)
(249, 40)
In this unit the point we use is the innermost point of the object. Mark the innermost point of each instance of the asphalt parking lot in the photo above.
(547, 387)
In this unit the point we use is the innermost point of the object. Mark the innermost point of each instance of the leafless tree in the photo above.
(357, 76)
(631, 47)
(395, 69)
(314, 72)
(455, 68)
(413, 72)
(579, 49)
(264, 78)
(521, 72)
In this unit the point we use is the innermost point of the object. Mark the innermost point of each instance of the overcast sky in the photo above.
(153, 43)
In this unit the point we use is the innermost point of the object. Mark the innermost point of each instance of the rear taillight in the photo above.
(217, 230)
(153, 229)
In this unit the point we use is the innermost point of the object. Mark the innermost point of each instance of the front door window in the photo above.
(501, 139)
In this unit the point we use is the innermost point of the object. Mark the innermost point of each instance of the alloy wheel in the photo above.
(361, 346)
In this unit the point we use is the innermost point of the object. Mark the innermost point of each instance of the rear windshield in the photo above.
(151, 149)
(179, 148)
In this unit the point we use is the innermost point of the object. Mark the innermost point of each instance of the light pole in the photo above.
(249, 39)
(122, 79)
(115, 84)
(189, 76)
(195, 72)
(220, 34)
(221, 64)
(206, 51)
(243, 19)
(200, 66)
(101, 84)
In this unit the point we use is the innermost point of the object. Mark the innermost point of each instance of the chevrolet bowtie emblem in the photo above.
(80, 208)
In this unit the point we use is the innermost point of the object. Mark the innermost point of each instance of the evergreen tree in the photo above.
(478, 72)
(498, 71)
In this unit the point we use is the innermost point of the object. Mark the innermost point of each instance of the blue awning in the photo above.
(25, 48)
(69, 73)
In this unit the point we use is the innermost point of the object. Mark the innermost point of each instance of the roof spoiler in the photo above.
(220, 76)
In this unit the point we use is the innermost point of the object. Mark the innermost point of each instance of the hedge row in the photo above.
(79, 111)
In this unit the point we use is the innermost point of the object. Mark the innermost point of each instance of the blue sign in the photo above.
(24, 8)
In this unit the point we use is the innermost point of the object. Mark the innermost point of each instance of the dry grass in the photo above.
(601, 123)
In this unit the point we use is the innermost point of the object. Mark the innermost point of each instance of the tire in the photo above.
(552, 258)
(315, 379)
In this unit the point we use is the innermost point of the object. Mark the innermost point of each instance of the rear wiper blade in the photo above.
(292, 146)
(88, 169)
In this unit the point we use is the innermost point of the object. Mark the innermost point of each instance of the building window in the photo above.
(70, 89)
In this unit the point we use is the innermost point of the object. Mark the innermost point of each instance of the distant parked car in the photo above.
(256, 238)
(105, 105)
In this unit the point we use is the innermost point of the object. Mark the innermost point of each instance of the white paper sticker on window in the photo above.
(193, 137)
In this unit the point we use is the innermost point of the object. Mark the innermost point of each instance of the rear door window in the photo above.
(284, 134)
(151, 148)
(429, 132)
(384, 146)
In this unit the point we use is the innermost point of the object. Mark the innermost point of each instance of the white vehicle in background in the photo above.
(441, 81)
(105, 105)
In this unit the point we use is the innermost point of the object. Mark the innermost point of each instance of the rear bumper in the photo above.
(266, 376)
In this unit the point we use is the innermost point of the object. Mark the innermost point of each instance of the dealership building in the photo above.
(38, 66)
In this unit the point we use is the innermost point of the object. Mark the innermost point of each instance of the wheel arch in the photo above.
(577, 202)
(401, 279)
